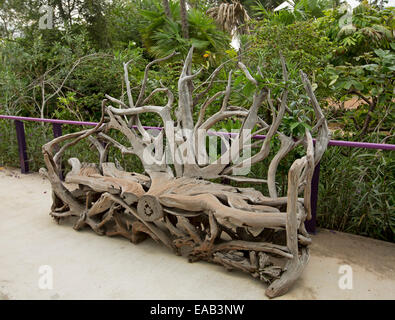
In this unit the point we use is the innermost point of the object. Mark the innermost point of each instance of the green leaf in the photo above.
(294, 125)
(334, 80)
(348, 84)
(358, 85)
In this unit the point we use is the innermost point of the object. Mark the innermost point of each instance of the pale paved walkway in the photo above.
(87, 266)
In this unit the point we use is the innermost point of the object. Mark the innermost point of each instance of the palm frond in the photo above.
(231, 17)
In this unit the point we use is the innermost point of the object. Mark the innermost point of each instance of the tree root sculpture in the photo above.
(177, 203)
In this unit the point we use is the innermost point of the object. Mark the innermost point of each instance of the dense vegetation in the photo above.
(63, 72)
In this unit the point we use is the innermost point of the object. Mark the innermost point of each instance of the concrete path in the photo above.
(87, 266)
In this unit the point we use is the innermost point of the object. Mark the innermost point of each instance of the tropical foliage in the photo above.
(64, 71)
(359, 30)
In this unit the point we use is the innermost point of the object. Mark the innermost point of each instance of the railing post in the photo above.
(311, 224)
(57, 132)
(20, 135)
(57, 129)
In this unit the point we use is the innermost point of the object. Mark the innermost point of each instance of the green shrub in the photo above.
(356, 192)
(356, 189)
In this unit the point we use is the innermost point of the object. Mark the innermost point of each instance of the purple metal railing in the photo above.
(57, 131)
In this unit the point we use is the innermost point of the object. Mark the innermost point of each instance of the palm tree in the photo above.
(232, 17)
(161, 36)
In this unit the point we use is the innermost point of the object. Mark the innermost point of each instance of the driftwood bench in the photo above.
(176, 201)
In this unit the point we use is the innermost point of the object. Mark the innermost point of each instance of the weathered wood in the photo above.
(287, 144)
(291, 223)
(100, 206)
(128, 186)
(223, 214)
(149, 208)
(255, 246)
(175, 202)
(229, 260)
(109, 170)
(293, 271)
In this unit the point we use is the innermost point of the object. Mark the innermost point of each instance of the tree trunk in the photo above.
(166, 7)
(368, 118)
(372, 106)
(184, 20)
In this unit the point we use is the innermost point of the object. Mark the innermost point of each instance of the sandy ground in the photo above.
(86, 266)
